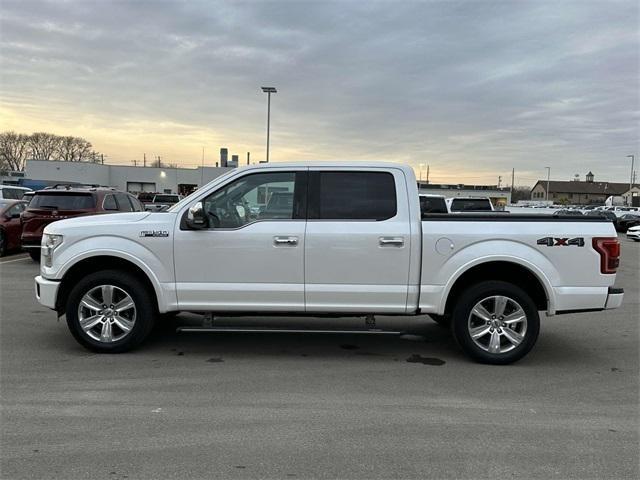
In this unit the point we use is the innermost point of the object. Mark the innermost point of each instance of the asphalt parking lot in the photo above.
(237, 405)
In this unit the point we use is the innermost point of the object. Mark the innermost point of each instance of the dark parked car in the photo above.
(10, 227)
(603, 213)
(627, 221)
(568, 213)
(50, 205)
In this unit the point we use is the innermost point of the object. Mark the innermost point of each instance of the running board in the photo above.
(278, 330)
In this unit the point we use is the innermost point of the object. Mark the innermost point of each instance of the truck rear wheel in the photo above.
(495, 322)
(110, 312)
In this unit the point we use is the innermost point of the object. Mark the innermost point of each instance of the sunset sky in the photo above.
(472, 88)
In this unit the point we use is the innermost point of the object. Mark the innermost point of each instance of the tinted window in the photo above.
(12, 193)
(16, 209)
(260, 196)
(432, 205)
(166, 199)
(124, 205)
(63, 201)
(109, 203)
(352, 196)
(470, 205)
(136, 206)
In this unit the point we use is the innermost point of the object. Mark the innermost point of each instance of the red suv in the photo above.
(58, 203)
(10, 211)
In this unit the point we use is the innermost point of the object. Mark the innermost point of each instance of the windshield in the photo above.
(189, 198)
(63, 201)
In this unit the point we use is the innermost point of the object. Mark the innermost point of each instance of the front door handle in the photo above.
(285, 241)
(391, 241)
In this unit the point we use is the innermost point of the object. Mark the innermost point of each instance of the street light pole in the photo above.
(548, 177)
(268, 91)
(630, 178)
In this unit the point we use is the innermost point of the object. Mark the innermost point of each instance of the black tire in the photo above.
(462, 311)
(442, 320)
(3, 243)
(145, 307)
(34, 253)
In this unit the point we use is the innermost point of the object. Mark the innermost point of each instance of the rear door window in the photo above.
(63, 201)
(350, 195)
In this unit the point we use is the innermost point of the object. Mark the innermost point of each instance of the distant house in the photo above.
(577, 192)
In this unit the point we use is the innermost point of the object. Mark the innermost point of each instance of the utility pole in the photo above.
(268, 91)
(248, 157)
(135, 163)
(499, 180)
(102, 158)
(631, 177)
(548, 177)
(144, 159)
(513, 176)
(427, 174)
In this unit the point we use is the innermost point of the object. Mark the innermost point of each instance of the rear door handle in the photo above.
(285, 241)
(391, 241)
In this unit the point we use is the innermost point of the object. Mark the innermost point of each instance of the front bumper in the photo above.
(614, 298)
(634, 235)
(46, 291)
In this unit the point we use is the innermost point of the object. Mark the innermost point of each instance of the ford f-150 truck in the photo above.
(351, 241)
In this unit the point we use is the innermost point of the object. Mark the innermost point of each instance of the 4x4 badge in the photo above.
(561, 242)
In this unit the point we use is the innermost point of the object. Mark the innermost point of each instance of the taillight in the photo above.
(609, 250)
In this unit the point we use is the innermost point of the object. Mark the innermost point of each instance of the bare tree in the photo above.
(43, 146)
(75, 149)
(14, 150)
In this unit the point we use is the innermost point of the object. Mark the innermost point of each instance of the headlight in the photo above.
(49, 243)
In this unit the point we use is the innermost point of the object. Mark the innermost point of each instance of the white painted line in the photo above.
(15, 260)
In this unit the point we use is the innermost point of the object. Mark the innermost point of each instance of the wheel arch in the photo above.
(509, 270)
(103, 262)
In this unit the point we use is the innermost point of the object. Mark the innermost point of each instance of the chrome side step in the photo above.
(279, 330)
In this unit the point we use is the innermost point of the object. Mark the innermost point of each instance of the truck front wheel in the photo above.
(495, 322)
(110, 312)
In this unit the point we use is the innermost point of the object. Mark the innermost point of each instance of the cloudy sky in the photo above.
(472, 88)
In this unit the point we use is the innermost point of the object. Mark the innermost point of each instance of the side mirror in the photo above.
(197, 218)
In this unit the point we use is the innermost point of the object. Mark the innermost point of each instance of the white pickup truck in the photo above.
(341, 240)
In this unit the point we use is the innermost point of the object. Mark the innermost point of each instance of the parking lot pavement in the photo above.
(317, 406)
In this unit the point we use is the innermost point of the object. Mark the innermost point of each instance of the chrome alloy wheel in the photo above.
(107, 313)
(497, 324)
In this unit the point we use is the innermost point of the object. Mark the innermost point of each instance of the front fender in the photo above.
(160, 273)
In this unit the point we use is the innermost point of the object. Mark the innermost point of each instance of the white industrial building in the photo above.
(39, 173)
(499, 196)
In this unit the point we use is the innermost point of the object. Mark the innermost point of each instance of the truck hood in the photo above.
(97, 220)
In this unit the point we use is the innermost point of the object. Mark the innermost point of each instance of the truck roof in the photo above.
(330, 163)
